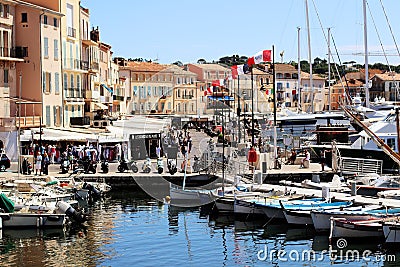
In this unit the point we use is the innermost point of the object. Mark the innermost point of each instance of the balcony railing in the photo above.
(15, 52)
(71, 32)
(187, 97)
(85, 65)
(118, 97)
(94, 66)
(73, 93)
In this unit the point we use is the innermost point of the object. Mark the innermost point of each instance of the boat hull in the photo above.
(354, 229)
(247, 208)
(298, 217)
(32, 220)
(391, 232)
(322, 221)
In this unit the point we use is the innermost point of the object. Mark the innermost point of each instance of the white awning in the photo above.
(96, 106)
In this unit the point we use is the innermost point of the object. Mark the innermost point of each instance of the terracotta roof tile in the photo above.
(145, 66)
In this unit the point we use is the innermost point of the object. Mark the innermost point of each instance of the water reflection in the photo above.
(131, 229)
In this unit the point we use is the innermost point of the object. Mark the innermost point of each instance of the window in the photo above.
(56, 83)
(65, 84)
(47, 82)
(6, 11)
(44, 82)
(45, 19)
(55, 49)
(6, 77)
(46, 47)
(24, 17)
(47, 115)
(287, 85)
(279, 86)
(55, 22)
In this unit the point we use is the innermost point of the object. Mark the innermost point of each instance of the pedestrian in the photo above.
(45, 163)
(306, 158)
(38, 164)
(323, 158)
(158, 151)
(190, 144)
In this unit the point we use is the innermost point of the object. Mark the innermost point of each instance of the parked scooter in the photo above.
(65, 164)
(134, 166)
(89, 165)
(160, 165)
(104, 166)
(146, 167)
(171, 164)
(123, 165)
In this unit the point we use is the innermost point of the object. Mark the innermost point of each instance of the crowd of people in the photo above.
(47, 154)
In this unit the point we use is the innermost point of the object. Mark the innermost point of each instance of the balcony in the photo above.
(105, 99)
(118, 98)
(15, 52)
(73, 93)
(187, 97)
(85, 65)
(6, 90)
(92, 94)
(94, 66)
(77, 64)
(71, 32)
(7, 124)
(27, 122)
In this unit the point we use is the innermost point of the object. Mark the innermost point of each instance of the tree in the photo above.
(178, 63)
(201, 61)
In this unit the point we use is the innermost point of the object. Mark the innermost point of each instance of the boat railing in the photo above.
(360, 165)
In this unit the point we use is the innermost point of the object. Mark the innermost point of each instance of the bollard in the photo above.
(326, 193)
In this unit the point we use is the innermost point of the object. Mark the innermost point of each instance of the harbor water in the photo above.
(129, 228)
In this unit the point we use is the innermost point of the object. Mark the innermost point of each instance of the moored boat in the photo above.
(391, 232)
(343, 228)
(301, 214)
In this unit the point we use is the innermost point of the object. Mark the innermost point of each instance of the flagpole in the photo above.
(238, 110)
(252, 108)
(273, 82)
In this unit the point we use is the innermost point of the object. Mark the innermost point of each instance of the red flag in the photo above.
(262, 56)
(219, 82)
(234, 71)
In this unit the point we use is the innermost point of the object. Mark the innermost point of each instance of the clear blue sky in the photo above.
(187, 30)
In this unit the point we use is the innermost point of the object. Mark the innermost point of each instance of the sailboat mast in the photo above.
(309, 58)
(329, 69)
(299, 105)
(366, 54)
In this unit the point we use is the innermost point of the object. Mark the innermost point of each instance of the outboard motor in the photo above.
(74, 215)
(94, 193)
